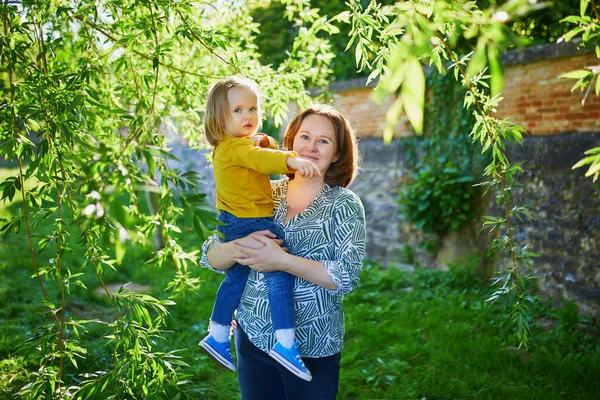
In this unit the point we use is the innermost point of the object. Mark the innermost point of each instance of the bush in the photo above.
(440, 197)
(438, 200)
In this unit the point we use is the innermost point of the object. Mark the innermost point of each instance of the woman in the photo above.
(325, 234)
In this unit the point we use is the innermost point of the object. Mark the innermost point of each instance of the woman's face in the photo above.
(316, 141)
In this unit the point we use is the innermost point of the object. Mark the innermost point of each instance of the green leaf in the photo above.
(478, 61)
(583, 7)
(358, 55)
(172, 227)
(200, 229)
(396, 65)
(413, 93)
(595, 150)
(33, 125)
(593, 168)
(391, 117)
(572, 33)
(577, 74)
(497, 76)
(119, 251)
(48, 304)
(117, 211)
(84, 9)
(372, 75)
(597, 84)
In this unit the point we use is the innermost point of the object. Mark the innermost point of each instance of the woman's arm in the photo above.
(270, 257)
(221, 256)
(345, 266)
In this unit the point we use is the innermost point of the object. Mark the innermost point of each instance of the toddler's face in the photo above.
(243, 116)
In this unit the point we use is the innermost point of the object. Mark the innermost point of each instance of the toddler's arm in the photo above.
(306, 169)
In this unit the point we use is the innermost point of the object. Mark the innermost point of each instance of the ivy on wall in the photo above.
(441, 196)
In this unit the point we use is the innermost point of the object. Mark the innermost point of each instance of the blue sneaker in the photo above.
(218, 351)
(291, 360)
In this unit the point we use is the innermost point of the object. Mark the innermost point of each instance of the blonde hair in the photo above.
(342, 171)
(217, 105)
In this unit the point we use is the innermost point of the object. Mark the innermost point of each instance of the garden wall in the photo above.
(566, 204)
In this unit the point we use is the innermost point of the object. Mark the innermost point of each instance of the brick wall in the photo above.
(534, 96)
(366, 115)
(536, 99)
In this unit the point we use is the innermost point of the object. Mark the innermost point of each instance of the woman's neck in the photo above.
(301, 192)
(315, 184)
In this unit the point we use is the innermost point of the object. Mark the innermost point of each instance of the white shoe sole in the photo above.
(290, 367)
(214, 354)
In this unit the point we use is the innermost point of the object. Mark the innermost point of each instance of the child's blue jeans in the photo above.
(280, 284)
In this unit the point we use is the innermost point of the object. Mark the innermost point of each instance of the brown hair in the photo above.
(344, 169)
(217, 105)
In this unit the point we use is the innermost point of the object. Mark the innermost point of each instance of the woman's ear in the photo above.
(336, 158)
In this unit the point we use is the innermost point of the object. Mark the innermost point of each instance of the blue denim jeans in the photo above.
(280, 284)
(262, 378)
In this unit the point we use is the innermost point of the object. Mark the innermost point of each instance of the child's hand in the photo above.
(261, 140)
(306, 169)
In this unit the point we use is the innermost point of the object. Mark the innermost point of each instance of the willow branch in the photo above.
(206, 46)
(11, 85)
(139, 53)
(156, 69)
(595, 10)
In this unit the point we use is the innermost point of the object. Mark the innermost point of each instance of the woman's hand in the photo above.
(251, 242)
(267, 257)
(222, 255)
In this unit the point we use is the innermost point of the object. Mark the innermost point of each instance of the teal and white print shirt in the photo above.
(330, 230)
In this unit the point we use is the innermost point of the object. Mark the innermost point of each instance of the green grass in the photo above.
(429, 334)
(442, 341)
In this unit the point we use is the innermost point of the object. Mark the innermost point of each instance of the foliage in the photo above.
(277, 34)
(441, 197)
(394, 41)
(588, 26)
(155, 346)
(438, 200)
(541, 26)
(89, 92)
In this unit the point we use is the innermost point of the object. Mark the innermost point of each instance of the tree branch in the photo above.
(139, 53)
(205, 46)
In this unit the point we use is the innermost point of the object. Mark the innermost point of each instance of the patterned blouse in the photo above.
(330, 230)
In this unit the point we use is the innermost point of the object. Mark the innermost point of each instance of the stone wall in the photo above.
(566, 206)
(382, 173)
(390, 238)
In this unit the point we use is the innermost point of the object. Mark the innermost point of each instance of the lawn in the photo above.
(421, 335)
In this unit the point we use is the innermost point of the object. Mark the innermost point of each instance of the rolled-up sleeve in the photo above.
(204, 263)
(349, 245)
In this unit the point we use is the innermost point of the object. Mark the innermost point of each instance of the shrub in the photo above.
(439, 199)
